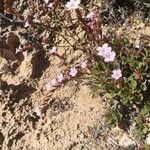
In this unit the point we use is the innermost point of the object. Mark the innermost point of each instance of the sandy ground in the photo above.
(65, 125)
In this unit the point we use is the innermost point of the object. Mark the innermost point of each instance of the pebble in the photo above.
(127, 142)
(1, 92)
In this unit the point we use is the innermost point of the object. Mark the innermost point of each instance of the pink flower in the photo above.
(90, 15)
(60, 77)
(73, 72)
(53, 50)
(106, 52)
(116, 74)
(55, 82)
(50, 5)
(84, 64)
(73, 4)
(27, 24)
(52, 84)
(109, 56)
(38, 111)
(103, 50)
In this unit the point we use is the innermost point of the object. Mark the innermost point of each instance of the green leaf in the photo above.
(140, 65)
(125, 40)
(132, 82)
(143, 87)
(146, 128)
(108, 95)
(146, 109)
(113, 117)
(95, 87)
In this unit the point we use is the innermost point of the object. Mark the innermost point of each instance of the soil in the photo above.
(74, 119)
(70, 119)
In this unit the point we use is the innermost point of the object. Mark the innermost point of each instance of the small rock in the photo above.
(1, 92)
(127, 142)
(140, 26)
(81, 136)
(26, 67)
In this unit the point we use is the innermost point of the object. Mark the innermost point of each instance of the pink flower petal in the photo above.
(110, 56)
(73, 72)
(105, 45)
(104, 50)
(50, 5)
(73, 4)
(27, 24)
(84, 64)
(54, 82)
(38, 111)
(60, 77)
(52, 85)
(116, 74)
(53, 50)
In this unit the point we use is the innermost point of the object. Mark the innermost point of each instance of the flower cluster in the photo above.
(58, 80)
(106, 52)
(55, 82)
(61, 78)
(109, 56)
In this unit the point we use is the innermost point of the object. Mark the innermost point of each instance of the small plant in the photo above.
(125, 78)
(117, 66)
